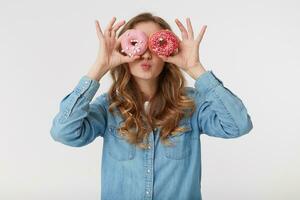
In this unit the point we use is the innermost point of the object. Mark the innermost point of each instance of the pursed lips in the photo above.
(146, 64)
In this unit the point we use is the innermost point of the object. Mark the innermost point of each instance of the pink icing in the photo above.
(134, 42)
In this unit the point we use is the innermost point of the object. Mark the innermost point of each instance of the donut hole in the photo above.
(133, 42)
(162, 42)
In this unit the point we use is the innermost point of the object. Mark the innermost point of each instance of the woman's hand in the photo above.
(109, 55)
(188, 55)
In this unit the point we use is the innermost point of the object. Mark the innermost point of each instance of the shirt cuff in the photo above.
(207, 81)
(87, 87)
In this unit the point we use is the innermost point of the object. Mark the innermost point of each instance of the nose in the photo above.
(147, 54)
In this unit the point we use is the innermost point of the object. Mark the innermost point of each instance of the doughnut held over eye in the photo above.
(134, 42)
(164, 43)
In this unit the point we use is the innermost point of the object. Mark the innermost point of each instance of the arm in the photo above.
(78, 121)
(220, 113)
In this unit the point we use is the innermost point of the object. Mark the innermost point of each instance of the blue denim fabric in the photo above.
(160, 172)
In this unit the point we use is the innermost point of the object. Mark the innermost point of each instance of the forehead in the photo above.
(148, 27)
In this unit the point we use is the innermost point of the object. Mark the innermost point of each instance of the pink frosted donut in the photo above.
(134, 42)
(163, 42)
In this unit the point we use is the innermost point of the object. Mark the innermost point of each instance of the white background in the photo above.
(252, 46)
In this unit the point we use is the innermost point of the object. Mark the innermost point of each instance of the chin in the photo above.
(144, 76)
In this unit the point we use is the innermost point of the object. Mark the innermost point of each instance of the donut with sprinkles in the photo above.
(164, 43)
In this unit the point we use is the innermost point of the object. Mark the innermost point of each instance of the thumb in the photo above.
(169, 59)
(128, 59)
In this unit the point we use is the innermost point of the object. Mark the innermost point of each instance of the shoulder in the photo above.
(191, 91)
(102, 99)
(196, 95)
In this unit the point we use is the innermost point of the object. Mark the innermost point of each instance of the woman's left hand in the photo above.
(188, 55)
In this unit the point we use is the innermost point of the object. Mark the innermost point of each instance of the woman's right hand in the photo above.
(109, 54)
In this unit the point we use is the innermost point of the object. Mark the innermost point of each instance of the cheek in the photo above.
(159, 63)
(159, 68)
(133, 66)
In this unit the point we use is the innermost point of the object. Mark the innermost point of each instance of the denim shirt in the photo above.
(159, 172)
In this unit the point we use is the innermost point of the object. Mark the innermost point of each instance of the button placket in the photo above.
(149, 166)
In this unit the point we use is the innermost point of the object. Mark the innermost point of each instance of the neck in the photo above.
(148, 88)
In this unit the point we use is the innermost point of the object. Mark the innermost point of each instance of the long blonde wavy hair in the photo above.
(168, 106)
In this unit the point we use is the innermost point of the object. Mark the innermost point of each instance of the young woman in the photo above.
(149, 120)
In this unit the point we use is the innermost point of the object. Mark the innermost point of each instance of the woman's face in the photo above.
(155, 63)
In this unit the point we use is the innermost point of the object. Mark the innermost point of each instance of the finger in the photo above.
(200, 36)
(190, 28)
(168, 59)
(118, 42)
(109, 27)
(98, 30)
(184, 32)
(128, 59)
(116, 27)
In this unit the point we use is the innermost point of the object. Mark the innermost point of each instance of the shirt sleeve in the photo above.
(220, 113)
(79, 121)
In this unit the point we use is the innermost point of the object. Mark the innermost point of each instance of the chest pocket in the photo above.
(182, 143)
(118, 148)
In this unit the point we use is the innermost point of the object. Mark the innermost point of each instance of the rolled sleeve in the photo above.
(207, 81)
(79, 121)
(220, 112)
(87, 87)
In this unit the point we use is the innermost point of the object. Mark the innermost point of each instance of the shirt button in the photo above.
(155, 129)
(147, 192)
(86, 82)
(149, 147)
(148, 170)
